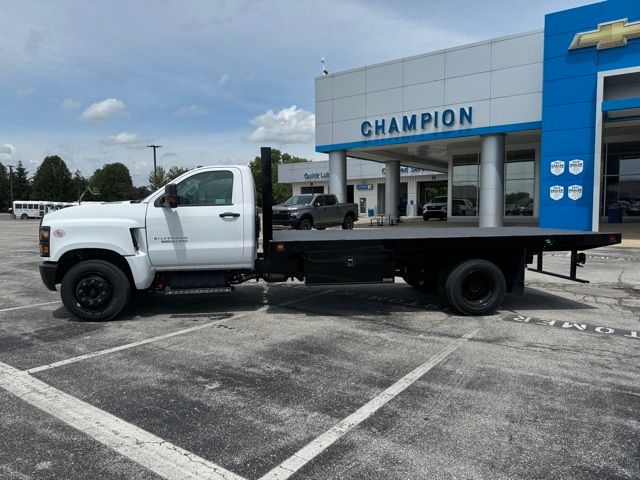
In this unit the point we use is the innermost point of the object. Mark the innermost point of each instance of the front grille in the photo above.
(280, 215)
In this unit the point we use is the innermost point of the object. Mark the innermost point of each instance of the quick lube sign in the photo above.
(418, 122)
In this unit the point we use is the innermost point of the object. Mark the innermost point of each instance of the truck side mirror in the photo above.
(170, 195)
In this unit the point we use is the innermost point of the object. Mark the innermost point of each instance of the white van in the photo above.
(24, 209)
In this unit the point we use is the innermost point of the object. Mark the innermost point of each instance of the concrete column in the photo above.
(392, 188)
(338, 174)
(492, 180)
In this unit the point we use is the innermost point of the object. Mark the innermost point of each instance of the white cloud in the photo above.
(69, 104)
(104, 109)
(190, 110)
(130, 140)
(7, 152)
(24, 92)
(289, 125)
(223, 79)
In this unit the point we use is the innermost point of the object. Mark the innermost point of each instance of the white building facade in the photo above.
(547, 121)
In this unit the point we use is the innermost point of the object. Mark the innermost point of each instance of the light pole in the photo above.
(155, 147)
(11, 183)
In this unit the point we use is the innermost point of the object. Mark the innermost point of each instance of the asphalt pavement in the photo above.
(340, 382)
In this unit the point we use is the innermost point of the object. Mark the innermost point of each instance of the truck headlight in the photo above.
(293, 214)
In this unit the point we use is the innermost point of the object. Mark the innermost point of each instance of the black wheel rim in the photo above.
(306, 225)
(93, 292)
(478, 288)
(349, 222)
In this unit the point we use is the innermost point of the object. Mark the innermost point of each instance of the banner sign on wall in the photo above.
(575, 192)
(576, 166)
(557, 167)
(556, 192)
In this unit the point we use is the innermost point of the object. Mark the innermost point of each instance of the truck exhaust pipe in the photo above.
(267, 202)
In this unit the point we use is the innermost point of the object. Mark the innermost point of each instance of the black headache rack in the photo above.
(377, 255)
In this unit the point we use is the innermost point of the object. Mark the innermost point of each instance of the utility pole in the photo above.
(11, 183)
(155, 147)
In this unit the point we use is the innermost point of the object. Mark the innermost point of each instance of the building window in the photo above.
(519, 183)
(622, 178)
(464, 183)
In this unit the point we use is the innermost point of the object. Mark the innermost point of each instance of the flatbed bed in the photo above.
(410, 237)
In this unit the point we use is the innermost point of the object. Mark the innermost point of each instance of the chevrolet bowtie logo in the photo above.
(607, 35)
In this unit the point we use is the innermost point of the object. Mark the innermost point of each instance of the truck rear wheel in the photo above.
(348, 223)
(419, 279)
(475, 287)
(95, 290)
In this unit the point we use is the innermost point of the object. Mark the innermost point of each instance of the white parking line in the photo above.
(306, 454)
(152, 452)
(130, 345)
(29, 306)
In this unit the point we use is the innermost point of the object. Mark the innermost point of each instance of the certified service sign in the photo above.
(557, 167)
(574, 192)
(556, 192)
(576, 166)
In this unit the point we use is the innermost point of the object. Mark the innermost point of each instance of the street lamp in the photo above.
(155, 147)
(11, 167)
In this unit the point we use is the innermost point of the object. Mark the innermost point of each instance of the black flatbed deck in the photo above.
(454, 237)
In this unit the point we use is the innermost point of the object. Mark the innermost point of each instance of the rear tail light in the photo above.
(45, 240)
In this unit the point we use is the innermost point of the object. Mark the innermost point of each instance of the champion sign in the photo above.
(576, 166)
(418, 122)
(574, 192)
(557, 167)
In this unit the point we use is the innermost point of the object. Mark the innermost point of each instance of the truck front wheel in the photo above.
(305, 224)
(95, 290)
(475, 287)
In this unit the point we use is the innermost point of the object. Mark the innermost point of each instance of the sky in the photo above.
(209, 80)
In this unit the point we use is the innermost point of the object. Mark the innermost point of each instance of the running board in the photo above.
(196, 291)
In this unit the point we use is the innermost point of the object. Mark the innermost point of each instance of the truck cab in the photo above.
(196, 234)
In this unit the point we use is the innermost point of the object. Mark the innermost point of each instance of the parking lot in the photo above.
(347, 382)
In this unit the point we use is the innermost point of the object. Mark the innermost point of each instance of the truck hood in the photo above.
(286, 208)
(132, 213)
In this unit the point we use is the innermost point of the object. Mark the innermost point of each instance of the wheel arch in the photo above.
(74, 257)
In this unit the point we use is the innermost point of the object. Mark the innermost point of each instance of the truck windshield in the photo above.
(439, 200)
(299, 200)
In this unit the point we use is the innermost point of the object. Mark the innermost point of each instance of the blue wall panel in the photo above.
(568, 121)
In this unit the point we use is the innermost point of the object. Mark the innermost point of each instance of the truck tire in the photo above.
(95, 290)
(475, 287)
(419, 279)
(305, 224)
(24, 216)
(347, 224)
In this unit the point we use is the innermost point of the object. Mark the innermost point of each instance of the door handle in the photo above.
(229, 214)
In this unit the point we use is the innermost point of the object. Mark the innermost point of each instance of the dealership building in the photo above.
(548, 120)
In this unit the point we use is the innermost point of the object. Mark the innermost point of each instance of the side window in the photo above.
(331, 200)
(320, 201)
(207, 189)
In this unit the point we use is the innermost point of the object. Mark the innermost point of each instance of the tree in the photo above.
(80, 184)
(174, 172)
(140, 192)
(113, 182)
(157, 179)
(52, 181)
(281, 191)
(5, 194)
(21, 183)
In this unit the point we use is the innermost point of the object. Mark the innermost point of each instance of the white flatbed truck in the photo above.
(200, 235)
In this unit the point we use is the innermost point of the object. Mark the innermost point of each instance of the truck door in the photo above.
(332, 210)
(322, 214)
(205, 230)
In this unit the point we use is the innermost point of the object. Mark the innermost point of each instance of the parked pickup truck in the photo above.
(199, 235)
(304, 212)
